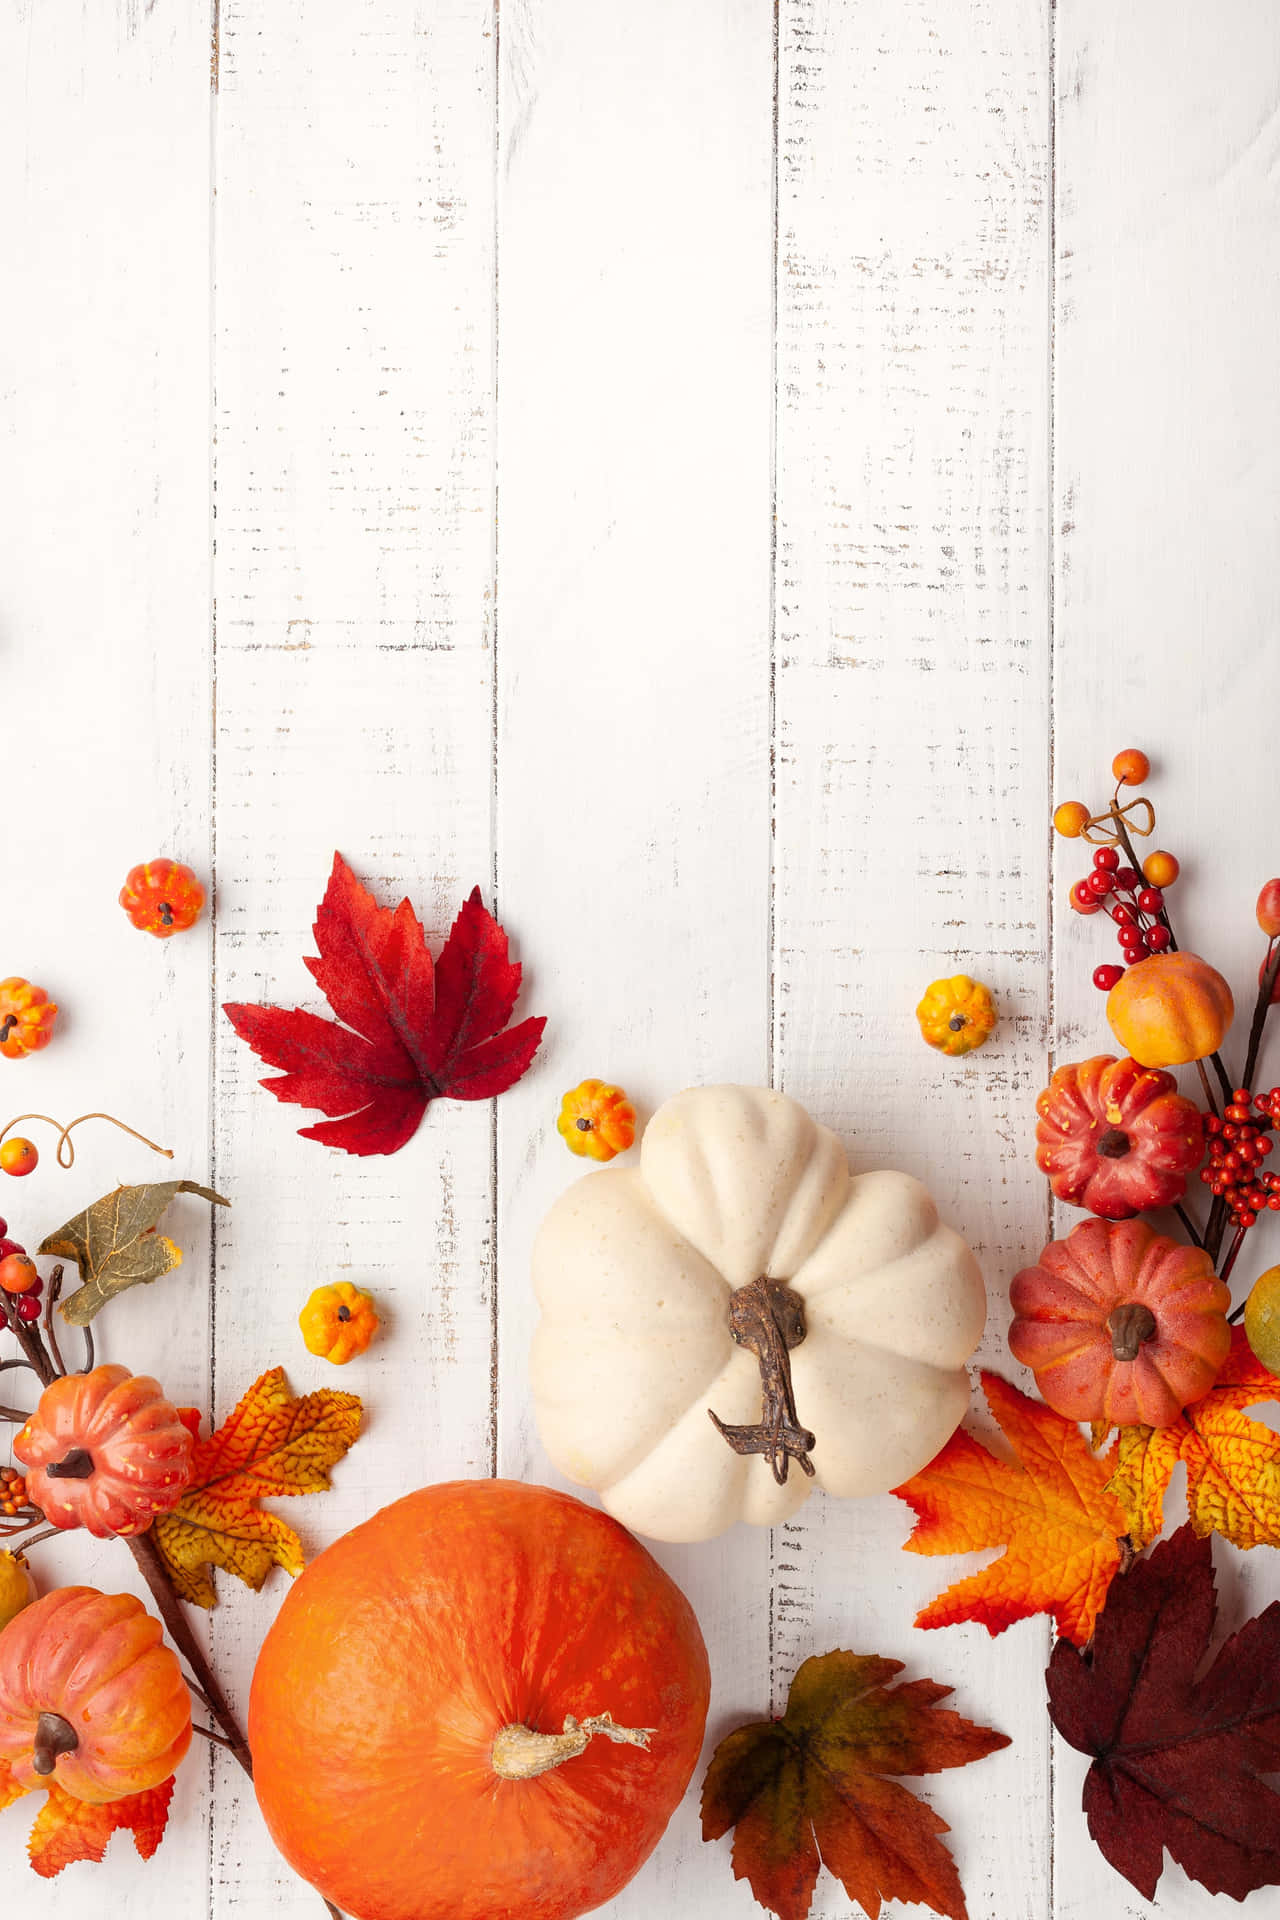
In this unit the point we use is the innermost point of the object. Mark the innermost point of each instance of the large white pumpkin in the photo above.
(637, 1270)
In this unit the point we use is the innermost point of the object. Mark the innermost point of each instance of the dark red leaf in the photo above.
(1176, 1760)
(415, 1032)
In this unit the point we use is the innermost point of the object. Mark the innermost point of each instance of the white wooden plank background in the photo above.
(709, 474)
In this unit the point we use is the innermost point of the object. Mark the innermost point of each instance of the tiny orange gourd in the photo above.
(338, 1322)
(1120, 1324)
(596, 1120)
(1170, 1009)
(90, 1697)
(105, 1451)
(162, 897)
(956, 1014)
(486, 1700)
(27, 1018)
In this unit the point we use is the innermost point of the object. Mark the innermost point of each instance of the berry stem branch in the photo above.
(1122, 833)
(1261, 1008)
(1193, 1232)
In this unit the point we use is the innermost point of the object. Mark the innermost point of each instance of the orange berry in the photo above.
(18, 1156)
(1131, 767)
(1071, 819)
(18, 1273)
(1160, 869)
(1269, 909)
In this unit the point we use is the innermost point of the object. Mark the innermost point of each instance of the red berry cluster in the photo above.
(19, 1279)
(13, 1493)
(1136, 909)
(1238, 1144)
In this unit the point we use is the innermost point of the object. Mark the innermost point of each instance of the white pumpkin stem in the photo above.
(521, 1754)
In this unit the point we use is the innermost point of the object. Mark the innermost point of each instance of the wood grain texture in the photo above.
(912, 700)
(104, 644)
(635, 287)
(710, 474)
(1167, 416)
(354, 334)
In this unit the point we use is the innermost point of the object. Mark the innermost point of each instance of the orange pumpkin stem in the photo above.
(519, 1753)
(54, 1736)
(1129, 1326)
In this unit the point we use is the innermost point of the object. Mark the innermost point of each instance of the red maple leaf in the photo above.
(415, 1031)
(1177, 1759)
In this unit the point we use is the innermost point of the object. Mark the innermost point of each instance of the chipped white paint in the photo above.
(489, 327)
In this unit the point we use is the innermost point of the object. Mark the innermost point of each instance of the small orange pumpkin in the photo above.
(1116, 1137)
(162, 897)
(1169, 1009)
(27, 1018)
(1119, 1323)
(956, 1015)
(338, 1322)
(596, 1120)
(90, 1697)
(105, 1451)
(487, 1700)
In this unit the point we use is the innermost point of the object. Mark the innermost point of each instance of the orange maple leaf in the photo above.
(1233, 1463)
(67, 1830)
(271, 1444)
(1052, 1514)
(9, 1788)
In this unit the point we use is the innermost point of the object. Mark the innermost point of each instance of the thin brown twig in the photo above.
(1261, 1008)
(14, 1414)
(1190, 1225)
(51, 1301)
(65, 1151)
(1209, 1100)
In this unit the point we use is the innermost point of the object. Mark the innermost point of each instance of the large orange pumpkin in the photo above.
(90, 1696)
(486, 1701)
(1170, 1009)
(1119, 1323)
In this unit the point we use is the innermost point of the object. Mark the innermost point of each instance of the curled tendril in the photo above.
(1101, 832)
(66, 1153)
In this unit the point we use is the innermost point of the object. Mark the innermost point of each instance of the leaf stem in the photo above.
(15, 1414)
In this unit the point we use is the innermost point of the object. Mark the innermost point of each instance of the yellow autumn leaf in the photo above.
(1232, 1462)
(272, 1444)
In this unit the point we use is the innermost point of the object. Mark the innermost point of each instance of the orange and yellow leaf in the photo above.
(67, 1830)
(1233, 1463)
(271, 1445)
(1052, 1513)
(9, 1788)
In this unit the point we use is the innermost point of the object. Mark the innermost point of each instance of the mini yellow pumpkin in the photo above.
(17, 1588)
(956, 1015)
(1170, 1009)
(338, 1322)
(596, 1120)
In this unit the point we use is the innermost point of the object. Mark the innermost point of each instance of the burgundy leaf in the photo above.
(1176, 1760)
(414, 1032)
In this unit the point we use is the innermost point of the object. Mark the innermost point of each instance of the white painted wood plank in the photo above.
(104, 624)
(354, 580)
(1167, 604)
(635, 394)
(912, 695)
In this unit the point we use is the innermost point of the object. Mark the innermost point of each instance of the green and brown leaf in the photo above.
(811, 1789)
(115, 1245)
(272, 1444)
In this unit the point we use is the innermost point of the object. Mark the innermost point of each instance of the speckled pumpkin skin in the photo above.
(140, 1447)
(99, 1660)
(407, 1646)
(1062, 1305)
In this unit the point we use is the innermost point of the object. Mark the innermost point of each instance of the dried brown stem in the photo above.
(1261, 1008)
(156, 1574)
(1193, 1232)
(767, 1318)
(65, 1152)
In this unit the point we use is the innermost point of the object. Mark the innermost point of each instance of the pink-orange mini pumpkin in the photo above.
(1120, 1324)
(162, 897)
(90, 1696)
(105, 1451)
(1116, 1137)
